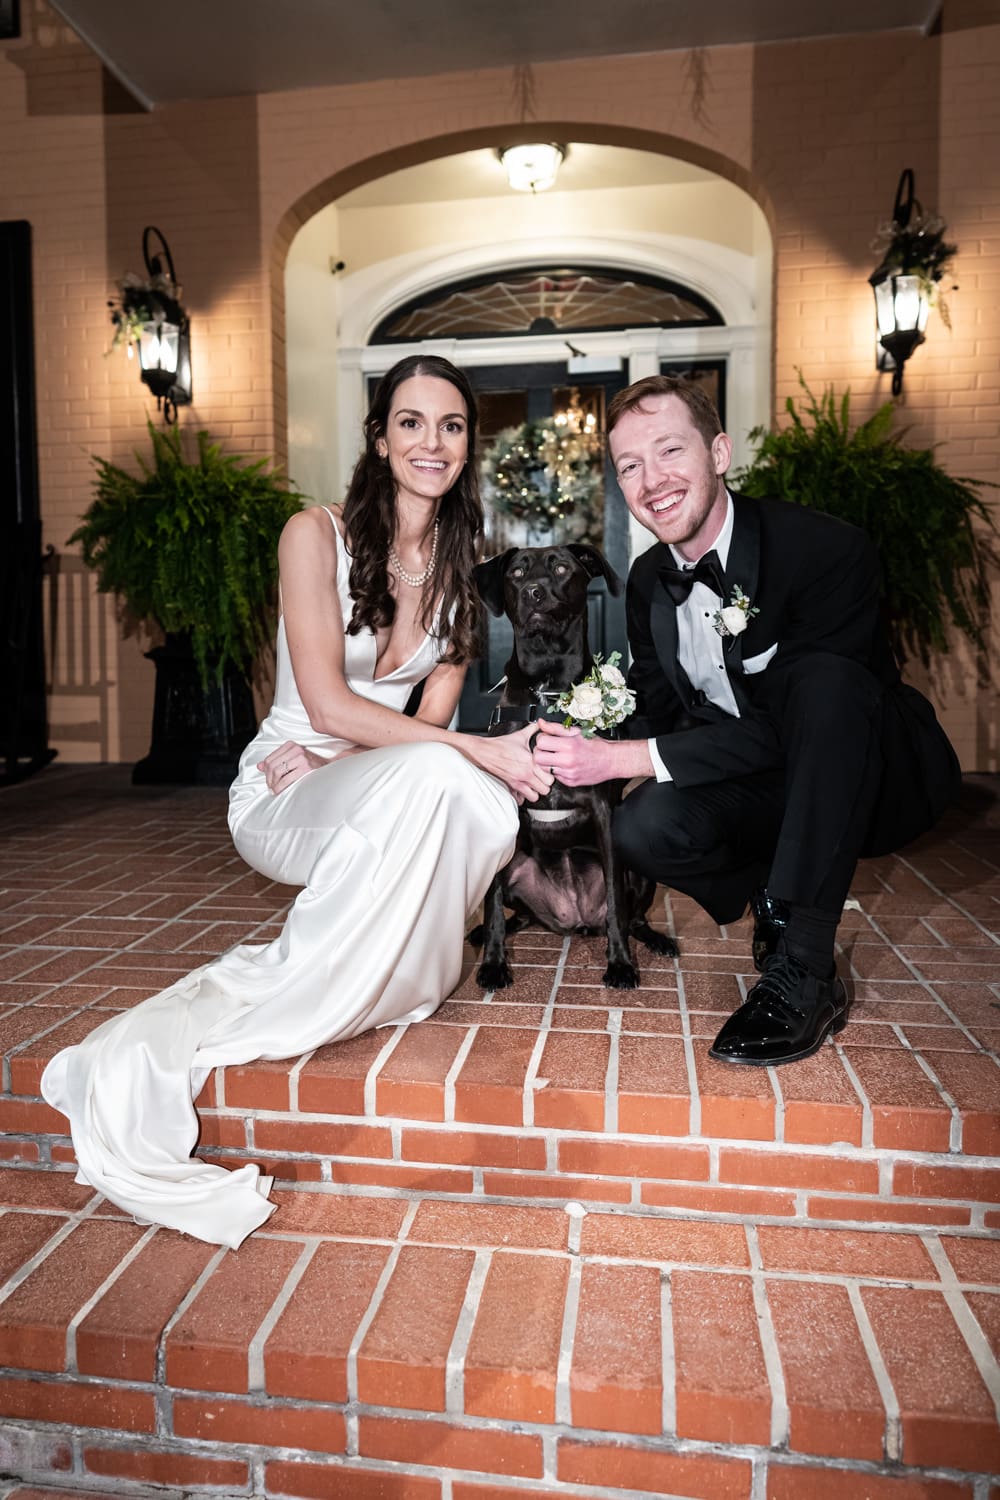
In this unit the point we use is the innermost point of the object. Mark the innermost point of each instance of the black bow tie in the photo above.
(679, 582)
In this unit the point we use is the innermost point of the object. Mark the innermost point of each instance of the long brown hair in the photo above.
(370, 523)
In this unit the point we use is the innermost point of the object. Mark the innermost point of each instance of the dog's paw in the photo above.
(656, 942)
(476, 935)
(620, 975)
(494, 974)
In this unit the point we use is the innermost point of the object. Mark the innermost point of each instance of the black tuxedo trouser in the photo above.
(800, 823)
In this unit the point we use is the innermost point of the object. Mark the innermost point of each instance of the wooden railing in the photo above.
(78, 622)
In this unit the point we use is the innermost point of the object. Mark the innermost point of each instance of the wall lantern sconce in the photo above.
(532, 169)
(914, 259)
(149, 316)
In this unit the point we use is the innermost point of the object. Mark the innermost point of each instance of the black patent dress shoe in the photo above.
(770, 918)
(787, 1015)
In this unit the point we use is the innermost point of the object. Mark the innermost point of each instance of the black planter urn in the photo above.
(198, 733)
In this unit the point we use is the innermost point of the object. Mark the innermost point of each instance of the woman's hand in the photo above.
(509, 758)
(290, 762)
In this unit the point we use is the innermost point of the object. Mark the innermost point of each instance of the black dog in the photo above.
(565, 873)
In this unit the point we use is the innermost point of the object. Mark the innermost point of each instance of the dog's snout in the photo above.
(534, 592)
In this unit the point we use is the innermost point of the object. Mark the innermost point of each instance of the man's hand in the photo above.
(578, 761)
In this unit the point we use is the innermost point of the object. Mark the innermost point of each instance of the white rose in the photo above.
(586, 701)
(612, 676)
(734, 619)
(620, 703)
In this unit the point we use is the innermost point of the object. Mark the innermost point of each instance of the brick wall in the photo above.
(193, 173)
(963, 368)
(818, 131)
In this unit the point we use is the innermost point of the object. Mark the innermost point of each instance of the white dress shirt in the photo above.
(699, 644)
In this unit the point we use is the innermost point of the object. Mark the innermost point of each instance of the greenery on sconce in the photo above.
(138, 298)
(192, 547)
(934, 532)
(916, 246)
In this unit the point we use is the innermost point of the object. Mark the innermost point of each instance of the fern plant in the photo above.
(191, 547)
(934, 532)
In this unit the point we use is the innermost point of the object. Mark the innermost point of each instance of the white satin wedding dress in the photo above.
(394, 847)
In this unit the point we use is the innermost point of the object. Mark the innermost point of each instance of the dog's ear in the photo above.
(489, 577)
(597, 565)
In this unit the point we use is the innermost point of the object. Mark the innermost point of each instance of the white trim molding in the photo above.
(722, 275)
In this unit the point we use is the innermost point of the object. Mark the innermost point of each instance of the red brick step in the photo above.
(456, 1339)
(540, 1245)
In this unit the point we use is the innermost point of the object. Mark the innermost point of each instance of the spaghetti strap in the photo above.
(340, 541)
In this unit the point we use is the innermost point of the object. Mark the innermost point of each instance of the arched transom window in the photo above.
(546, 299)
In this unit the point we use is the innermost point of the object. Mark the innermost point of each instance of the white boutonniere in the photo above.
(600, 701)
(737, 614)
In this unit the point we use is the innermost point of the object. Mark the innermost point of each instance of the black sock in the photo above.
(809, 937)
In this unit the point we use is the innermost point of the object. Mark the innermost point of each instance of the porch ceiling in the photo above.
(199, 51)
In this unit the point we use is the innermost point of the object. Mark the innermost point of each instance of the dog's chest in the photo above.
(565, 893)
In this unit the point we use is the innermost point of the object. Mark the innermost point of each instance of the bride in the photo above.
(393, 824)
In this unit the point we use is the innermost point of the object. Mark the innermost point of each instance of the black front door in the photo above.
(23, 729)
(510, 396)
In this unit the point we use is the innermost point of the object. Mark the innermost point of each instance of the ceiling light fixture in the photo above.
(532, 169)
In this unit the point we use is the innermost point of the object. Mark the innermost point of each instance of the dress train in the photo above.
(394, 847)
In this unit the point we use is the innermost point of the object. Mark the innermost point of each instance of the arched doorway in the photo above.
(360, 269)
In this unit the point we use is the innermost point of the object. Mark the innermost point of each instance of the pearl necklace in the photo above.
(416, 580)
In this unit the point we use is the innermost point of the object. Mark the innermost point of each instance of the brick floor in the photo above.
(540, 1245)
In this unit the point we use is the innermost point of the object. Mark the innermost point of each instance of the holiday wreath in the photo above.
(546, 474)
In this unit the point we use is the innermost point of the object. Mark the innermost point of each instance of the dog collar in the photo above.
(515, 713)
(522, 713)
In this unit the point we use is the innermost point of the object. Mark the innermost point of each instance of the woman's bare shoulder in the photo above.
(309, 537)
(315, 523)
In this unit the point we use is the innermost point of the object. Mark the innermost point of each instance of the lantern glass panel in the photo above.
(908, 299)
(158, 346)
(182, 381)
(885, 311)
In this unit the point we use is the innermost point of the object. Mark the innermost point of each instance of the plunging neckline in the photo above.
(403, 665)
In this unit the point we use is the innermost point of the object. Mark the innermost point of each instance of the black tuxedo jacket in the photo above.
(815, 582)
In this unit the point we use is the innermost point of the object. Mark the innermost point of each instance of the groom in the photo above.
(778, 739)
